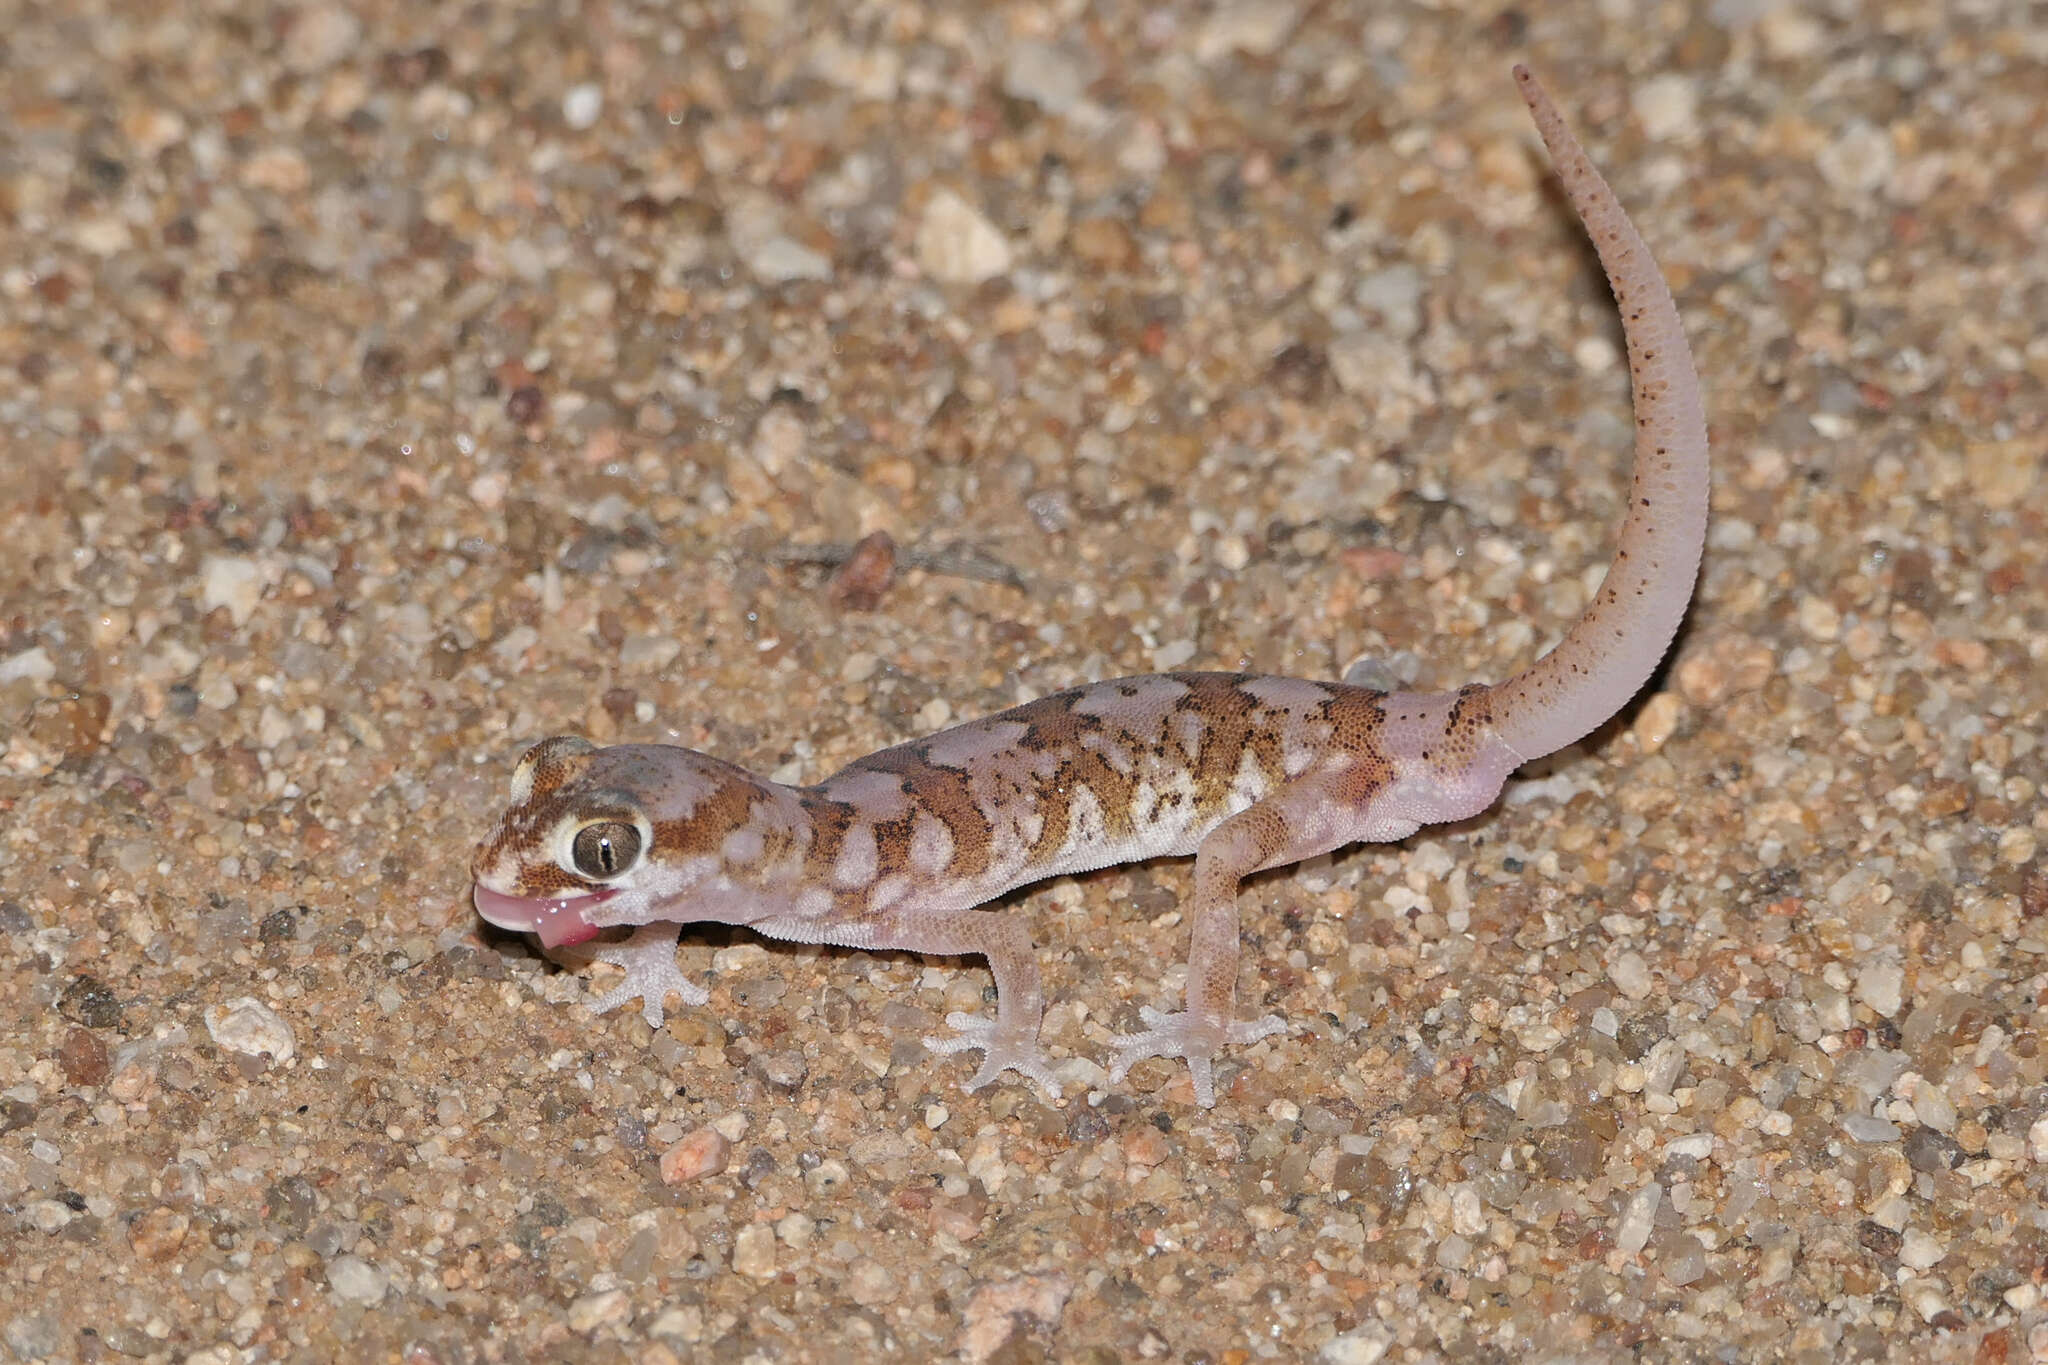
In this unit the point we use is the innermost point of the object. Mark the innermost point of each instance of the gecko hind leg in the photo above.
(649, 960)
(1252, 839)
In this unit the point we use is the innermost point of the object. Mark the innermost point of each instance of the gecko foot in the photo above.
(649, 958)
(1000, 1052)
(1185, 1035)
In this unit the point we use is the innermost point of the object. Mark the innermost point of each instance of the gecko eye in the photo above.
(605, 850)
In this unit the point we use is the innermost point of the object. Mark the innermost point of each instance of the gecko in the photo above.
(1245, 772)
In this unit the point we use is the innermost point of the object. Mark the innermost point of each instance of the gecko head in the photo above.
(563, 848)
(595, 837)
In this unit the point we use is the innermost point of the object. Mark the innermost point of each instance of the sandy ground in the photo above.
(387, 387)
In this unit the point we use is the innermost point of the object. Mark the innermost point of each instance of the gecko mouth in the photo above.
(559, 920)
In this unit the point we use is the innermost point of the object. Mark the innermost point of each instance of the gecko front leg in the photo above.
(1008, 1042)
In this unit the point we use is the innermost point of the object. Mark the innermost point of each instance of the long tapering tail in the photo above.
(1610, 653)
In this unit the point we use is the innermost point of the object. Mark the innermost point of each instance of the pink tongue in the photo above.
(559, 920)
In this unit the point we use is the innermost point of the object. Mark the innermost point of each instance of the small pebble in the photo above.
(871, 1284)
(356, 1280)
(1790, 33)
(997, 1311)
(49, 1216)
(1881, 986)
(1595, 354)
(233, 582)
(32, 664)
(1818, 618)
(1657, 720)
(159, 1234)
(34, 1336)
(2002, 473)
(1858, 162)
(1668, 105)
(250, 1027)
(582, 104)
(702, 1152)
(1918, 1250)
(319, 36)
(1864, 1128)
(1632, 1231)
(1631, 975)
(956, 244)
(1045, 75)
(1255, 27)
(779, 260)
(753, 1251)
(589, 1312)
(1933, 1107)
(1363, 1345)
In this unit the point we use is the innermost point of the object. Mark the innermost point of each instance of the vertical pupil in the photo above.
(604, 850)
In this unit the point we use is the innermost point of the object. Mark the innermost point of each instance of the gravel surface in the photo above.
(385, 386)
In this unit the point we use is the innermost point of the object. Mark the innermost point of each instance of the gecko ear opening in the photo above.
(604, 850)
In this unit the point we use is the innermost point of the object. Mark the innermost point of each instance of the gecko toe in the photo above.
(1190, 1038)
(651, 1004)
(1252, 1030)
(649, 961)
(1000, 1053)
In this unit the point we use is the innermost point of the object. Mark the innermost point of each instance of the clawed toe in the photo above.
(1251, 1030)
(1000, 1052)
(1190, 1038)
(652, 995)
(648, 958)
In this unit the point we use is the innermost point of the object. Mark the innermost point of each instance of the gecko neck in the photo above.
(1614, 648)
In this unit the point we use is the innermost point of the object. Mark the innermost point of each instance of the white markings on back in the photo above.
(1085, 826)
(1149, 696)
(931, 844)
(743, 846)
(1285, 694)
(857, 861)
(1116, 755)
(1250, 782)
(888, 891)
(966, 745)
(877, 795)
